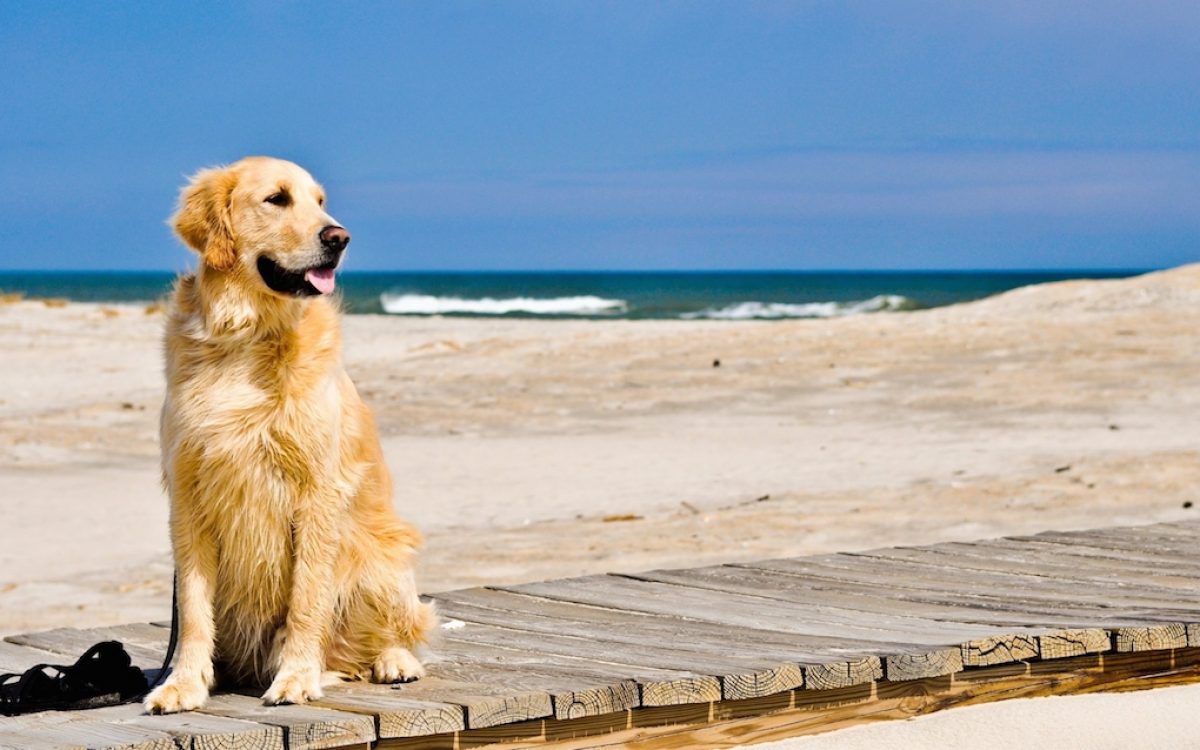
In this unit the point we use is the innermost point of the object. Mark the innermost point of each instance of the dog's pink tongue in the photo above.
(321, 279)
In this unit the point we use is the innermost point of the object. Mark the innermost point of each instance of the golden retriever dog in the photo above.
(291, 564)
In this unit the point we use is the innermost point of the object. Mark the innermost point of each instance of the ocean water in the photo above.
(716, 295)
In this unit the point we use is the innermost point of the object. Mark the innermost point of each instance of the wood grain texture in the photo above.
(1193, 634)
(196, 731)
(18, 658)
(986, 652)
(1067, 643)
(72, 642)
(843, 674)
(539, 614)
(498, 693)
(743, 676)
(303, 727)
(934, 663)
(1153, 638)
(657, 686)
(396, 714)
(81, 729)
(747, 611)
(837, 586)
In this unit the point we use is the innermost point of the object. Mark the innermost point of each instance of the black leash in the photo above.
(103, 676)
(172, 640)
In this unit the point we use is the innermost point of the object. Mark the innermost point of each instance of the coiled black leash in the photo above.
(103, 676)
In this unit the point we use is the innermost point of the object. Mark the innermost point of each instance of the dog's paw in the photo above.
(180, 692)
(396, 665)
(294, 686)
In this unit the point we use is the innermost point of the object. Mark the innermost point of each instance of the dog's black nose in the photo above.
(335, 238)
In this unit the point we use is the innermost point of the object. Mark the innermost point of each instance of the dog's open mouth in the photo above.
(306, 283)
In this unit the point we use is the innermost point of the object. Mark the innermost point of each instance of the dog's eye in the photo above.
(279, 199)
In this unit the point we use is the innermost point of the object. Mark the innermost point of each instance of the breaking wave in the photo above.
(426, 304)
(766, 310)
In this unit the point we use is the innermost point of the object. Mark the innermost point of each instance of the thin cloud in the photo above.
(1164, 186)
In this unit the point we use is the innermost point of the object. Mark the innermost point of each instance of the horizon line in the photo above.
(980, 269)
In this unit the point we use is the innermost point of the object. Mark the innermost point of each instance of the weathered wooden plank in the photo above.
(1153, 638)
(932, 663)
(761, 682)
(87, 737)
(60, 729)
(983, 577)
(1049, 567)
(304, 727)
(901, 577)
(1193, 634)
(1068, 643)
(488, 696)
(73, 642)
(658, 687)
(1038, 572)
(1029, 609)
(888, 596)
(17, 658)
(1157, 565)
(743, 676)
(843, 674)
(885, 614)
(537, 614)
(999, 556)
(1180, 536)
(195, 731)
(986, 652)
(836, 589)
(396, 715)
(1115, 548)
(141, 634)
(824, 659)
(745, 611)
(1190, 529)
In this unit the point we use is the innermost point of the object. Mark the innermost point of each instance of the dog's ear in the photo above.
(204, 220)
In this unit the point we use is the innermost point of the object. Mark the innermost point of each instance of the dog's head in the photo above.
(263, 220)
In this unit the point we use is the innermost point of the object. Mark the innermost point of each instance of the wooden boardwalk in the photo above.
(718, 656)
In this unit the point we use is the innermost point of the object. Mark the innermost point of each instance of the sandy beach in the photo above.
(534, 449)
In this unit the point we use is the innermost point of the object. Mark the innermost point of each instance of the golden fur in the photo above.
(291, 562)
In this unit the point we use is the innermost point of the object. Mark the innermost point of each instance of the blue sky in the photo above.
(604, 135)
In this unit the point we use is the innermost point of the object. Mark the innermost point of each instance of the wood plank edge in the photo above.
(1151, 637)
(803, 712)
(937, 662)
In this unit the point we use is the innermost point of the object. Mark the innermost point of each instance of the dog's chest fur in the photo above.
(260, 416)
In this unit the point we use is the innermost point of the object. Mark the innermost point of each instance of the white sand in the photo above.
(513, 440)
(1163, 718)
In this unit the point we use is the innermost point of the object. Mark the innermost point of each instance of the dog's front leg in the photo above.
(310, 609)
(196, 570)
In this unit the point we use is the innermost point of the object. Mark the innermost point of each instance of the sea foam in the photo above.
(768, 310)
(426, 304)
